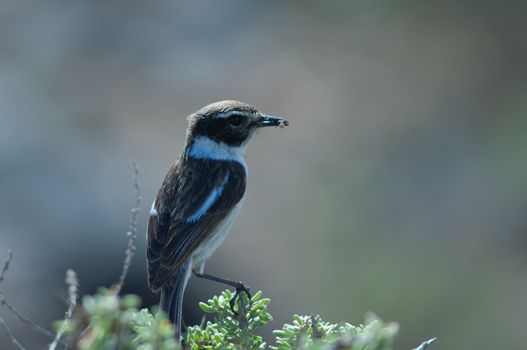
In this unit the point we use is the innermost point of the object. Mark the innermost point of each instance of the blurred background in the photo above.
(399, 188)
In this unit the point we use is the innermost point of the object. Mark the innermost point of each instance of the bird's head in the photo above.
(231, 123)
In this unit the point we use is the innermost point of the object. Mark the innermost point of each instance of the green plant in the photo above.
(117, 323)
(311, 332)
(231, 330)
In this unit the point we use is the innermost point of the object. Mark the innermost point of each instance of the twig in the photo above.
(314, 328)
(11, 336)
(4, 325)
(426, 344)
(6, 264)
(132, 229)
(73, 287)
(24, 319)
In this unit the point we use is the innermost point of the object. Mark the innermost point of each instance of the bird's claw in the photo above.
(240, 288)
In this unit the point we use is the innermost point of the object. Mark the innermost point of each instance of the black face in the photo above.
(233, 129)
(230, 122)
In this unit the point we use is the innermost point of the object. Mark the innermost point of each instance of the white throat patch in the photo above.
(205, 148)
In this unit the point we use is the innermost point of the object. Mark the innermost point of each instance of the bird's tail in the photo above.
(172, 297)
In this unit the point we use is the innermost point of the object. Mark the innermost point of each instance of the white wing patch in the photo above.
(205, 148)
(213, 197)
(153, 211)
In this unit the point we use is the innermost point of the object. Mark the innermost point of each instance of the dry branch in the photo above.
(20, 316)
(73, 287)
(132, 229)
(11, 336)
(7, 262)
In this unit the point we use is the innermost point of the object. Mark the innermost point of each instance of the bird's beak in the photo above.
(267, 120)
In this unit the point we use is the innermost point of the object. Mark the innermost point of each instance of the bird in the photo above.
(199, 200)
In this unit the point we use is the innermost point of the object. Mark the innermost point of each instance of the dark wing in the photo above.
(188, 211)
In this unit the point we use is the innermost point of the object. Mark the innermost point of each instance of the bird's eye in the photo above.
(235, 120)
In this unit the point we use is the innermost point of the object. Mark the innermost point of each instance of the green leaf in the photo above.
(206, 308)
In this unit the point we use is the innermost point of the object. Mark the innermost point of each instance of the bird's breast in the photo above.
(207, 248)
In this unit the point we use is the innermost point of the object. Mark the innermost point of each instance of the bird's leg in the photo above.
(236, 284)
(240, 286)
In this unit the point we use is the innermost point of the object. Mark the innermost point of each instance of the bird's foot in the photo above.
(241, 288)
